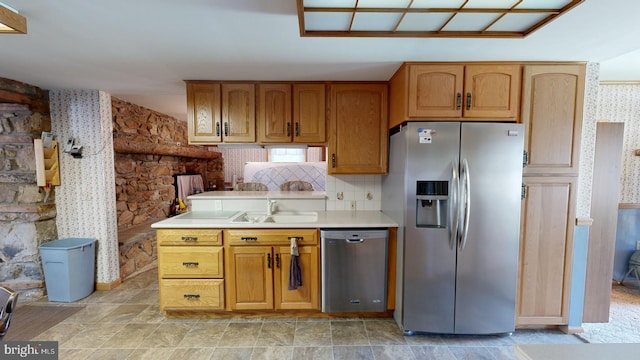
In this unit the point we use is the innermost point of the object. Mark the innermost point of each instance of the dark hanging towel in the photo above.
(295, 274)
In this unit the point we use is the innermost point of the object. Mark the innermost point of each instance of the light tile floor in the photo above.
(126, 323)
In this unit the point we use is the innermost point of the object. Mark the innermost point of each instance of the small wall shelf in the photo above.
(47, 166)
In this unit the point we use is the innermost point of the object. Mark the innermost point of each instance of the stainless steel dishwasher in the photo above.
(354, 270)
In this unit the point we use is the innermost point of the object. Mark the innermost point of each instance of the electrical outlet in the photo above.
(353, 205)
(638, 245)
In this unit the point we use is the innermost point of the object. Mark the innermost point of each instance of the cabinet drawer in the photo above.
(190, 262)
(191, 294)
(270, 236)
(189, 237)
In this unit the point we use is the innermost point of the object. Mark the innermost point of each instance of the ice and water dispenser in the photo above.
(432, 198)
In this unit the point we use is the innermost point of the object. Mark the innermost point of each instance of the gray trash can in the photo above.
(69, 268)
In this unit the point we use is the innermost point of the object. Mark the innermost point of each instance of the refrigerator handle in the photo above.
(454, 212)
(465, 206)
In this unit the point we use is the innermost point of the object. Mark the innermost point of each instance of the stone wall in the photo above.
(150, 148)
(26, 221)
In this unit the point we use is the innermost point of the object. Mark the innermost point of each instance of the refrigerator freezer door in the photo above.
(429, 262)
(487, 265)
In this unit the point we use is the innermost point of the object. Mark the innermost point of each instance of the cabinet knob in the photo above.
(288, 129)
(458, 101)
(297, 129)
(268, 261)
(468, 101)
(333, 160)
(226, 128)
(217, 129)
(278, 261)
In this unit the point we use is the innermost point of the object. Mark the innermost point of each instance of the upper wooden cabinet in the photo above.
(238, 113)
(358, 134)
(274, 113)
(309, 113)
(455, 91)
(220, 112)
(203, 113)
(291, 113)
(553, 98)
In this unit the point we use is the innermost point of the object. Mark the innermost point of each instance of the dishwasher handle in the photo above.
(354, 241)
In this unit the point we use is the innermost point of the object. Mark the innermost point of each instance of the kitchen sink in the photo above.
(283, 217)
(294, 217)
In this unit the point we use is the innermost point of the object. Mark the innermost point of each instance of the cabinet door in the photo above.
(274, 113)
(250, 277)
(238, 113)
(553, 97)
(435, 91)
(546, 251)
(305, 296)
(309, 113)
(491, 91)
(358, 136)
(203, 113)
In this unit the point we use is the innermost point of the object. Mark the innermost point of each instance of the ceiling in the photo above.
(141, 51)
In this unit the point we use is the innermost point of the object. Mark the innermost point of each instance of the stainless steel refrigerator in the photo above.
(454, 188)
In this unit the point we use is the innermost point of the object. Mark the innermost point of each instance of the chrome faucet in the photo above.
(270, 206)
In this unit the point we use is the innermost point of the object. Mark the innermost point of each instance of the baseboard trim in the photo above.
(567, 329)
(108, 286)
(628, 206)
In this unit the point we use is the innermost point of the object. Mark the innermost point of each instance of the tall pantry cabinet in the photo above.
(551, 112)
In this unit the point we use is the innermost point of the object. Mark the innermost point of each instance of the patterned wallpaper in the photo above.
(588, 142)
(621, 103)
(85, 198)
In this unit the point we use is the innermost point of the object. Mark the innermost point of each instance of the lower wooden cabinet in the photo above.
(190, 262)
(258, 275)
(192, 294)
(190, 269)
(546, 250)
(305, 296)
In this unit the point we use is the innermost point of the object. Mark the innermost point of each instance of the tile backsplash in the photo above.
(365, 190)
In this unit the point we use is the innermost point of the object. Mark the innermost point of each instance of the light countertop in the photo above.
(226, 195)
(325, 219)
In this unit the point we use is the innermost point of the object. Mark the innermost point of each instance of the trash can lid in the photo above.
(68, 243)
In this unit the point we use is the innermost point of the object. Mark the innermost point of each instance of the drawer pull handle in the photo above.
(192, 296)
(249, 238)
(296, 238)
(190, 263)
(189, 238)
